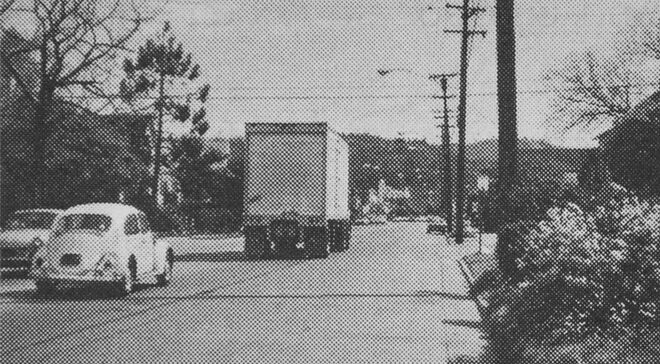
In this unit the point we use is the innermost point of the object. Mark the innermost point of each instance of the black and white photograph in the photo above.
(330, 181)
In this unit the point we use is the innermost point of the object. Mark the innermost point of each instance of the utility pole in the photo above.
(466, 12)
(506, 102)
(446, 146)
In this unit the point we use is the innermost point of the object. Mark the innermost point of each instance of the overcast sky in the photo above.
(317, 60)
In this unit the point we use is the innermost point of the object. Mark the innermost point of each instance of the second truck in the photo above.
(296, 190)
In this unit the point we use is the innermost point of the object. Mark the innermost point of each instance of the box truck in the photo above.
(296, 190)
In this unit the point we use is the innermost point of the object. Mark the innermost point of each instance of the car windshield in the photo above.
(30, 220)
(95, 222)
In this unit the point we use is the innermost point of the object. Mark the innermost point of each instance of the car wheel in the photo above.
(127, 282)
(125, 286)
(165, 278)
(45, 288)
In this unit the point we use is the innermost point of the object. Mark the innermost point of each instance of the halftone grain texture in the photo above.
(208, 270)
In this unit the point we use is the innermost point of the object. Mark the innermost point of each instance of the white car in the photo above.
(25, 231)
(102, 243)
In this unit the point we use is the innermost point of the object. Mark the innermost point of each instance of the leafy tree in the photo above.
(196, 167)
(161, 78)
(72, 46)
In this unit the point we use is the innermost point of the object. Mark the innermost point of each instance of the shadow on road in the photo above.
(447, 295)
(229, 257)
(463, 323)
(67, 294)
(212, 257)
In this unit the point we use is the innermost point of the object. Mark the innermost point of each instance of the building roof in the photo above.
(646, 111)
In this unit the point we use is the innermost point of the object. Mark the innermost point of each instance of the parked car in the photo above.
(102, 243)
(23, 233)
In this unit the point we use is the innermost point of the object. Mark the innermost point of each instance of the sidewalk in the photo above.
(477, 256)
(465, 323)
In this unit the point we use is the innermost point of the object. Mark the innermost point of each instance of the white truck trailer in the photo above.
(296, 190)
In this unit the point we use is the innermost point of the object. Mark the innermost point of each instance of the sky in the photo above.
(317, 61)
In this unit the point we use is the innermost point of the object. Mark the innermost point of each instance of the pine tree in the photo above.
(163, 79)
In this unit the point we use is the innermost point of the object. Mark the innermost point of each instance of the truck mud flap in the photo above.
(339, 235)
(346, 234)
(334, 235)
(316, 241)
(256, 242)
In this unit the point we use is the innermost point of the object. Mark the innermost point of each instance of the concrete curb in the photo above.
(482, 304)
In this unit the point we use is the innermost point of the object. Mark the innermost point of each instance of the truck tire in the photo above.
(257, 245)
(321, 252)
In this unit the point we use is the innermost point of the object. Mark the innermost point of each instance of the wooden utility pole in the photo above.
(466, 12)
(506, 101)
(446, 147)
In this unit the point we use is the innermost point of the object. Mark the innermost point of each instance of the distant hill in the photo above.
(537, 159)
(401, 162)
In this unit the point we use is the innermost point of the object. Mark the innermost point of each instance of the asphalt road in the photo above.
(395, 296)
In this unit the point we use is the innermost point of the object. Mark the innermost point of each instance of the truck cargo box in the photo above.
(296, 190)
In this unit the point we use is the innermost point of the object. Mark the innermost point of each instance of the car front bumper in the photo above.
(81, 277)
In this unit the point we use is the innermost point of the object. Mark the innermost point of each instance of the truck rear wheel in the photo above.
(321, 252)
(256, 242)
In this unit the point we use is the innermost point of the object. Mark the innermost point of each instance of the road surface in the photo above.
(395, 296)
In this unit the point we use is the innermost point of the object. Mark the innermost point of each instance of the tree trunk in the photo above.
(158, 138)
(41, 131)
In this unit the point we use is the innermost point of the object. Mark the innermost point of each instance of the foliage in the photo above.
(529, 202)
(70, 52)
(576, 276)
(196, 168)
(632, 147)
(91, 158)
(161, 79)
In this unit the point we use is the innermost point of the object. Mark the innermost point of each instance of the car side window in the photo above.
(132, 225)
(145, 228)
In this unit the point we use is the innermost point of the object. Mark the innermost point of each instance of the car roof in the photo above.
(115, 210)
(57, 211)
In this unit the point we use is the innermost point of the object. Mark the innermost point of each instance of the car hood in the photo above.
(23, 237)
(90, 246)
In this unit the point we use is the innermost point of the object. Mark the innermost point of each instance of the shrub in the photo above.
(576, 275)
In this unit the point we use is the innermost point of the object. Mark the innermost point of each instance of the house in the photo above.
(631, 148)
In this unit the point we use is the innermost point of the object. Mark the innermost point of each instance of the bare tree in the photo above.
(652, 41)
(589, 90)
(73, 41)
(593, 87)
(5, 5)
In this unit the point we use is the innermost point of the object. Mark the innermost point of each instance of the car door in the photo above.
(134, 241)
(148, 242)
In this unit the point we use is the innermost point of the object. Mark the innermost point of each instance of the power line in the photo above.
(365, 97)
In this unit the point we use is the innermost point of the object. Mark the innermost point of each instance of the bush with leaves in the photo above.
(567, 279)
